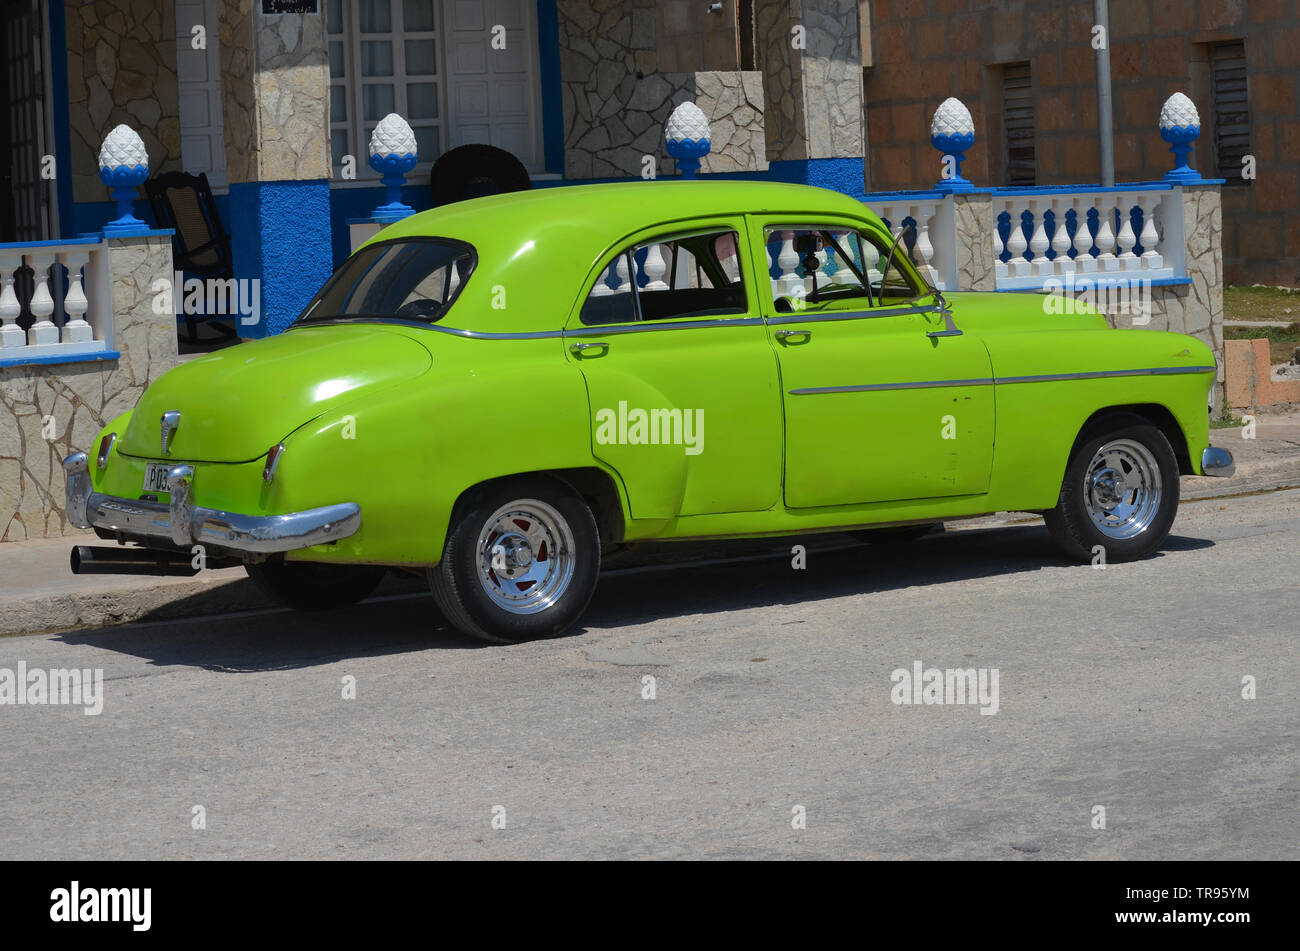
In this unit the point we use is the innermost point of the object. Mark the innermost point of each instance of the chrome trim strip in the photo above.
(927, 384)
(851, 314)
(649, 325)
(183, 523)
(484, 335)
(1099, 374)
(1217, 463)
(865, 387)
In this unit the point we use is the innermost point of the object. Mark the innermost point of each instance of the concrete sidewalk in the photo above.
(39, 593)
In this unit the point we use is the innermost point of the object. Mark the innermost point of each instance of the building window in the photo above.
(1231, 109)
(458, 72)
(1018, 123)
(383, 58)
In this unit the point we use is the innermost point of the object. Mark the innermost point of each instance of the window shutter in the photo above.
(1018, 123)
(1231, 108)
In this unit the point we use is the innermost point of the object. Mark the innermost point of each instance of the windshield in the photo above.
(409, 279)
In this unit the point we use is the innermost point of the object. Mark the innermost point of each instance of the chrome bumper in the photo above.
(1217, 462)
(183, 523)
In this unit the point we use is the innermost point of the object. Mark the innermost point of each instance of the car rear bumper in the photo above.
(1217, 462)
(181, 522)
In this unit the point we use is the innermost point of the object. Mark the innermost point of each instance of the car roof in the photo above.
(544, 242)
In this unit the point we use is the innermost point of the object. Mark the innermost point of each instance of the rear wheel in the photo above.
(314, 587)
(1120, 493)
(521, 561)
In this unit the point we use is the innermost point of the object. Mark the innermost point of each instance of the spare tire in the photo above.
(472, 171)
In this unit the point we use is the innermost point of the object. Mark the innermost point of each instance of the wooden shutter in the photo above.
(1018, 123)
(1231, 109)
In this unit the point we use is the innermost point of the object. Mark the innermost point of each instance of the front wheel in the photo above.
(1119, 496)
(521, 561)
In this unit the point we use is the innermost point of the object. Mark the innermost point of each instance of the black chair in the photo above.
(200, 244)
(472, 171)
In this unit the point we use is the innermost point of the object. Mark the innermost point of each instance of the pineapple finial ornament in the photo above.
(123, 167)
(392, 155)
(687, 137)
(952, 132)
(1180, 126)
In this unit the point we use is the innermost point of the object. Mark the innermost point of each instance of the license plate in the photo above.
(155, 476)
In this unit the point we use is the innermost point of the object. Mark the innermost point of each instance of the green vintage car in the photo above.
(494, 392)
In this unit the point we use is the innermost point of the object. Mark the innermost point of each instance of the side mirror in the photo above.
(950, 329)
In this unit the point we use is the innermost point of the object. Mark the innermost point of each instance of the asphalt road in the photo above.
(1118, 687)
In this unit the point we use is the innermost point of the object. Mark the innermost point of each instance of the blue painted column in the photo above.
(277, 161)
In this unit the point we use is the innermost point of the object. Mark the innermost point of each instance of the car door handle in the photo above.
(581, 348)
(793, 336)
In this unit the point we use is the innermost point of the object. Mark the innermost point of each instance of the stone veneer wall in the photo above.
(81, 397)
(121, 69)
(616, 103)
(275, 86)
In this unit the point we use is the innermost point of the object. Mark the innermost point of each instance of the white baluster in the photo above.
(75, 305)
(870, 258)
(1061, 240)
(787, 259)
(1038, 243)
(653, 268)
(622, 284)
(602, 288)
(1128, 261)
(1106, 260)
(921, 215)
(1017, 244)
(1083, 261)
(1152, 260)
(42, 332)
(11, 335)
(454, 280)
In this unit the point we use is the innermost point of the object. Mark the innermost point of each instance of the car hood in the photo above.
(237, 403)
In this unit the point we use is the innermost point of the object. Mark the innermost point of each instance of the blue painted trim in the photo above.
(1104, 282)
(548, 40)
(72, 358)
(96, 239)
(62, 122)
(1067, 189)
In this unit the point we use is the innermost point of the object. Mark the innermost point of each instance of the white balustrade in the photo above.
(1109, 255)
(66, 323)
(932, 249)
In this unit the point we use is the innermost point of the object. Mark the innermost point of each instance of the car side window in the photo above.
(827, 268)
(694, 275)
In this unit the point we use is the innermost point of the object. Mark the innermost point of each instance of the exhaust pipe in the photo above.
(102, 560)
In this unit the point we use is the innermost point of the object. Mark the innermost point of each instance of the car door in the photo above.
(681, 379)
(881, 403)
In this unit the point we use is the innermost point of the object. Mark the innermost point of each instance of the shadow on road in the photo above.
(650, 583)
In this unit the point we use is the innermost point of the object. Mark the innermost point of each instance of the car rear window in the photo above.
(413, 279)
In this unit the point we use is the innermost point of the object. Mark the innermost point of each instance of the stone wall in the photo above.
(616, 101)
(275, 83)
(121, 69)
(78, 399)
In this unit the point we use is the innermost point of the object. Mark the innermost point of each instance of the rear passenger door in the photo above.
(681, 379)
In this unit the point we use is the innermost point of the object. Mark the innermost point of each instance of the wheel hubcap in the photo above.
(525, 556)
(1122, 488)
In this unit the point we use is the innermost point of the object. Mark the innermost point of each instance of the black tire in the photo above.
(305, 586)
(1085, 491)
(530, 542)
(896, 535)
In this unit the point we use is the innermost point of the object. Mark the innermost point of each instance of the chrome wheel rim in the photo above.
(1122, 488)
(525, 556)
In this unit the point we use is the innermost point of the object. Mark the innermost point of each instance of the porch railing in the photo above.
(56, 301)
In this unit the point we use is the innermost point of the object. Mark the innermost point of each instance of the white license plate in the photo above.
(155, 476)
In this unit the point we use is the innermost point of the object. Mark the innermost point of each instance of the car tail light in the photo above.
(272, 459)
(105, 447)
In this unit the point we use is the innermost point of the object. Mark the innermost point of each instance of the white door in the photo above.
(198, 80)
(492, 76)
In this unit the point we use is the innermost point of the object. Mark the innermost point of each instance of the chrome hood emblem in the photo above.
(171, 421)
